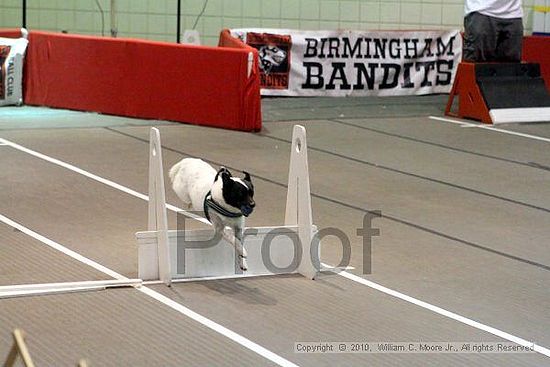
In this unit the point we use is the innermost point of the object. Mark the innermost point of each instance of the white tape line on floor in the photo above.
(449, 314)
(212, 325)
(486, 127)
(349, 276)
(94, 177)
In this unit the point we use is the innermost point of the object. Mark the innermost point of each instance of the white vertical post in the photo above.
(298, 200)
(158, 219)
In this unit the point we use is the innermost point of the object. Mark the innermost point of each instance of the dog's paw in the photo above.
(242, 263)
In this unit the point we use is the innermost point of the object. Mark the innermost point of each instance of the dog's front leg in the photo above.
(239, 234)
(234, 237)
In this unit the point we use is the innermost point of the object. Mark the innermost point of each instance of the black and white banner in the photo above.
(354, 63)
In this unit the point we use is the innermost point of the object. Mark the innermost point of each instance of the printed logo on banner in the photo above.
(274, 53)
(4, 52)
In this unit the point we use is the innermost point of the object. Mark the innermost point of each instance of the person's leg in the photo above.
(480, 38)
(510, 40)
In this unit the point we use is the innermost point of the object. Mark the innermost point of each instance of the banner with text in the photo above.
(12, 53)
(354, 63)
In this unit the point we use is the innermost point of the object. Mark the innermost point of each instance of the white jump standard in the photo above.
(186, 255)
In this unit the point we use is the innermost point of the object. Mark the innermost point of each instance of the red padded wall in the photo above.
(145, 79)
(10, 32)
(253, 86)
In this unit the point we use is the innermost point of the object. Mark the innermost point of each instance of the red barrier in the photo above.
(537, 49)
(471, 103)
(199, 85)
(10, 32)
(227, 40)
(253, 87)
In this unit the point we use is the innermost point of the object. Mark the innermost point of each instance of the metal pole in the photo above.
(24, 13)
(114, 29)
(178, 22)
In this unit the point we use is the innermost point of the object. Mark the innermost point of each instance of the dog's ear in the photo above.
(225, 174)
(248, 182)
(224, 170)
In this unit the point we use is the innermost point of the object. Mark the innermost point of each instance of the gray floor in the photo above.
(465, 227)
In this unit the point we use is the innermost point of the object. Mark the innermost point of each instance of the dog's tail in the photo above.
(174, 171)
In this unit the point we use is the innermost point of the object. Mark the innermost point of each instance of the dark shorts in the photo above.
(488, 39)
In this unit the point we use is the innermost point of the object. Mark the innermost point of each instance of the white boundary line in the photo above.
(502, 334)
(110, 283)
(485, 127)
(102, 180)
(25, 290)
(46, 292)
(350, 276)
(61, 248)
(247, 343)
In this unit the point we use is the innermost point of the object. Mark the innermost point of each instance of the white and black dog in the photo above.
(225, 199)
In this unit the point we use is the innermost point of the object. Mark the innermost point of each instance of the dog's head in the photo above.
(237, 192)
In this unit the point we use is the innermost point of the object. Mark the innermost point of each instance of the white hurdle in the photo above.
(190, 255)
